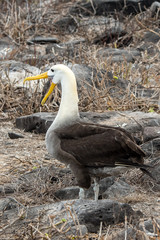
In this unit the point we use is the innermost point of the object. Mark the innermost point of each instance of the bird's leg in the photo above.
(82, 176)
(96, 188)
(81, 193)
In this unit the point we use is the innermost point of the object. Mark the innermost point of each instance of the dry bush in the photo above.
(21, 20)
(100, 95)
(17, 101)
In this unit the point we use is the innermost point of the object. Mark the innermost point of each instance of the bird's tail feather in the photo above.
(144, 170)
(142, 167)
(132, 164)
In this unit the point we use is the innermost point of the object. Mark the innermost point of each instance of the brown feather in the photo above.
(97, 145)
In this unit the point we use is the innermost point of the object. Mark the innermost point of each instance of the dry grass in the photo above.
(96, 97)
(99, 97)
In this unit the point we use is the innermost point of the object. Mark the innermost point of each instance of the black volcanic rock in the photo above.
(106, 7)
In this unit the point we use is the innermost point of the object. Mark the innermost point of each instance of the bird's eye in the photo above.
(52, 70)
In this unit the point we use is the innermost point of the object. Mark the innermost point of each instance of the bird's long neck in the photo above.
(68, 111)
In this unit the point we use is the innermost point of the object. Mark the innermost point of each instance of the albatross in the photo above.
(87, 148)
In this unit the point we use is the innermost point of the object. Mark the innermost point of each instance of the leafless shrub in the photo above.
(18, 24)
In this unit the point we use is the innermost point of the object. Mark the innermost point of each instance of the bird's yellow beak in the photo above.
(40, 76)
(48, 93)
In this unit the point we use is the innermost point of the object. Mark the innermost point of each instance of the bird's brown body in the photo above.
(92, 145)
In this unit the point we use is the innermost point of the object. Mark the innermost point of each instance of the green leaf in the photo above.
(63, 220)
(34, 168)
(151, 109)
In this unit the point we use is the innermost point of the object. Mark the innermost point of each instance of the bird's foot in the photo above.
(81, 193)
(96, 189)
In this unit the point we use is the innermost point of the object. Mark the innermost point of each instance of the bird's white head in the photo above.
(58, 73)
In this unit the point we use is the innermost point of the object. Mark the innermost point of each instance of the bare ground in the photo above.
(20, 156)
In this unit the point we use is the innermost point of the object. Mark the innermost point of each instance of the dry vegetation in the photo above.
(20, 20)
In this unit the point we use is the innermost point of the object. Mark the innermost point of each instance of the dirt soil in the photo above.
(20, 156)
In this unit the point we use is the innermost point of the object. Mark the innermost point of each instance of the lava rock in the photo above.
(13, 135)
(107, 211)
(130, 232)
(154, 8)
(106, 7)
(148, 47)
(150, 133)
(154, 170)
(119, 55)
(17, 72)
(152, 147)
(118, 189)
(42, 40)
(7, 189)
(67, 193)
(149, 225)
(40, 122)
(6, 48)
(7, 204)
(66, 25)
(151, 36)
(68, 49)
(99, 28)
(88, 213)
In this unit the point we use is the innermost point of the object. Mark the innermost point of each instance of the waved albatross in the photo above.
(85, 146)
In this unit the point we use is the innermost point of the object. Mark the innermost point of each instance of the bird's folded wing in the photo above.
(96, 145)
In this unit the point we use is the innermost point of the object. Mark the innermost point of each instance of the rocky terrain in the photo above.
(113, 47)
